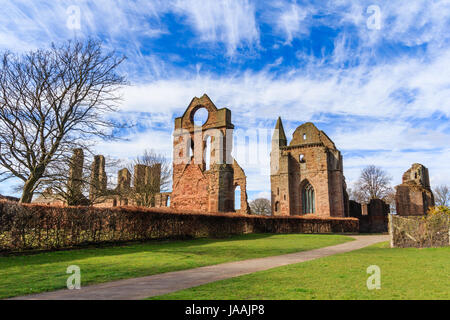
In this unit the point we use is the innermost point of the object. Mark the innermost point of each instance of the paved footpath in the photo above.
(144, 287)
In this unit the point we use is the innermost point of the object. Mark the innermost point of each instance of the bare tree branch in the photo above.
(51, 102)
(374, 183)
(442, 195)
(261, 206)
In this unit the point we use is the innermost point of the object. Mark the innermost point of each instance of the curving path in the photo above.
(144, 287)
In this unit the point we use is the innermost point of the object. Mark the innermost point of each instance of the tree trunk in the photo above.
(27, 193)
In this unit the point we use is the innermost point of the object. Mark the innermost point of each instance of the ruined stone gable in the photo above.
(200, 182)
(414, 196)
(307, 175)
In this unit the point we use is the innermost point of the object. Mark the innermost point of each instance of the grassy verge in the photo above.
(405, 274)
(20, 275)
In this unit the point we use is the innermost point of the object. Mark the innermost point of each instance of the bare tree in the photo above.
(442, 195)
(261, 206)
(155, 178)
(374, 183)
(51, 102)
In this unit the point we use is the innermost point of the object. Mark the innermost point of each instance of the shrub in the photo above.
(37, 227)
(431, 230)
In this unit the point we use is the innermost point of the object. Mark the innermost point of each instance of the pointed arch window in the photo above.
(308, 199)
(207, 153)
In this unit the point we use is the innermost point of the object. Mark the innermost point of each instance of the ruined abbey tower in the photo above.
(201, 182)
(414, 196)
(306, 175)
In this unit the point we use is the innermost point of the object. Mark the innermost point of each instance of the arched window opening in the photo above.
(207, 153)
(168, 202)
(304, 136)
(237, 198)
(190, 152)
(301, 158)
(308, 199)
(115, 203)
(277, 206)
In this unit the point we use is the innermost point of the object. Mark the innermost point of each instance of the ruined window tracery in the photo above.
(308, 199)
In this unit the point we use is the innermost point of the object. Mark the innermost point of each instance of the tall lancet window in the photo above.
(308, 199)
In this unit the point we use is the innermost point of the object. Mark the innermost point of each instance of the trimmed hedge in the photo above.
(37, 227)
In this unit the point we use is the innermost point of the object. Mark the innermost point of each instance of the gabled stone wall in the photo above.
(208, 187)
(311, 159)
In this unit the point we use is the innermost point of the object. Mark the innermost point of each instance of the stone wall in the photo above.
(414, 196)
(419, 232)
(373, 217)
(99, 180)
(147, 180)
(75, 181)
(198, 185)
(312, 161)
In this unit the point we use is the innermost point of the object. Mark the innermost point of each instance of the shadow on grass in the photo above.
(202, 247)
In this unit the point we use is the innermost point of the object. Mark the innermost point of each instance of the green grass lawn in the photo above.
(405, 274)
(20, 275)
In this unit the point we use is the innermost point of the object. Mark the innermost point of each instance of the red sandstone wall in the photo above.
(191, 189)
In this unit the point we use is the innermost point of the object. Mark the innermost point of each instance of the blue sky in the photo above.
(374, 75)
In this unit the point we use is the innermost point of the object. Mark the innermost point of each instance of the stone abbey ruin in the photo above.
(306, 175)
(197, 184)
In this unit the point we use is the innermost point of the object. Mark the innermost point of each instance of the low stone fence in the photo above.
(37, 227)
(419, 231)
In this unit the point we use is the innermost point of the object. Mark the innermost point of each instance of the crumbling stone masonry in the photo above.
(123, 181)
(75, 181)
(307, 175)
(417, 232)
(414, 196)
(198, 185)
(99, 180)
(147, 181)
(373, 216)
(146, 186)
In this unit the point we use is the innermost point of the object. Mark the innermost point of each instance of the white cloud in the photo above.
(396, 163)
(401, 89)
(390, 135)
(231, 22)
(291, 21)
(264, 194)
(402, 21)
(25, 25)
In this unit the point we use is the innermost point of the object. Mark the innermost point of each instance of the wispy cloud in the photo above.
(228, 22)
(401, 89)
(290, 20)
